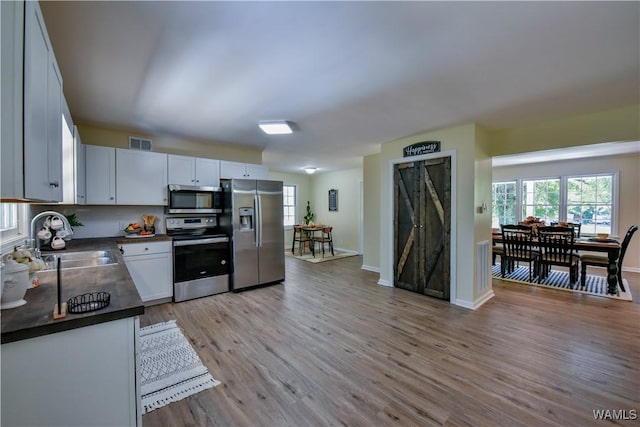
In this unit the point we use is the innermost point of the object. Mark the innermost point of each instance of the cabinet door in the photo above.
(141, 178)
(231, 170)
(152, 274)
(11, 93)
(42, 112)
(208, 172)
(101, 175)
(181, 170)
(257, 171)
(54, 130)
(80, 169)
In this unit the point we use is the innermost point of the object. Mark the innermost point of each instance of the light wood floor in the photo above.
(331, 347)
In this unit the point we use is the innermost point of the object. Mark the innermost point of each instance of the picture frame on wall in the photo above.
(333, 200)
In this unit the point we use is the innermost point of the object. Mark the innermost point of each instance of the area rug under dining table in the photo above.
(557, 279)
(319, 257)
(170, 369)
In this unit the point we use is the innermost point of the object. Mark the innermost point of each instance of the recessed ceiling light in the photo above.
(275, 127)
(310, 170)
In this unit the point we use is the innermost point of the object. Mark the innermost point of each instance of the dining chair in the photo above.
(300, 237)
(556, 248)
(326, 237)
(603, 261)
(576, 228)
(517, 241)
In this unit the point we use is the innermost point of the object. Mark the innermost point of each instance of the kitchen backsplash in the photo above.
(104, 221)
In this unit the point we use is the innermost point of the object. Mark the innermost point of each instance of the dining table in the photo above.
(312, 229)
(591, 244)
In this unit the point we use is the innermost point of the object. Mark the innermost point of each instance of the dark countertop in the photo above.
(35, 318)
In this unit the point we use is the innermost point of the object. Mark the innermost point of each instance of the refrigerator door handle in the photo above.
(259, 198)
(256, 213)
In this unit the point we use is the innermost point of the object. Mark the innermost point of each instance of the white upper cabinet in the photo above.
(141, 178)
(100, 165)
(234, 170)
(11, 77)
(42, 111)
(80, 168)
(184, 170)
(207, 172)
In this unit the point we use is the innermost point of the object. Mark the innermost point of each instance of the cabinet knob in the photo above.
(197, 180)
(54, 184)
(121, 250)
(111, 198)
(146, 249)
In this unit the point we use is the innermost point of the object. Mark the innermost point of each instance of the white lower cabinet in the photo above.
(80, 377)
(150, 265)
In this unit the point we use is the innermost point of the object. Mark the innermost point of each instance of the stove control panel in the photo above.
(173, 223)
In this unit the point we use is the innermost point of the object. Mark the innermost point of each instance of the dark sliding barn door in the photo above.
(422, 222)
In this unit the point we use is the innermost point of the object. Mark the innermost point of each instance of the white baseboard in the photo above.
(370, 268)
(475, 304)
(346, 251)
(385, 283)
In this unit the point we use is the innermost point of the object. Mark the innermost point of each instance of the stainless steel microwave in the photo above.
(194, 199)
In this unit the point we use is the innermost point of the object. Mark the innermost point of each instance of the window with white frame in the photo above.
(541, 199)
(504, 203)
(586, 199)
(12, 218)
(590, 202)
(289, 204)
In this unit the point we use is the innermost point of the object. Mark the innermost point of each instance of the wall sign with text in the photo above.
(421, 148)
(333, 200)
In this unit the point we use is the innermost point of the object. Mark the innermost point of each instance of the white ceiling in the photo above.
(351, 75)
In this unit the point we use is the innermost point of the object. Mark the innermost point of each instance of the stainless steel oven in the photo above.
(188, 199)
(201, 261)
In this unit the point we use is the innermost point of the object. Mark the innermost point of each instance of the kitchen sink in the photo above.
(83, 259)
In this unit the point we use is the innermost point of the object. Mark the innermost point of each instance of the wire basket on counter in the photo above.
(88, 302)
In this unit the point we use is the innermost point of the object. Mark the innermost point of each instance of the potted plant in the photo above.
(308, 218)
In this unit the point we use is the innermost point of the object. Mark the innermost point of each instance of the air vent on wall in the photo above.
(142, 144)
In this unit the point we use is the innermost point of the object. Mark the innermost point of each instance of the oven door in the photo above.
(200, 258)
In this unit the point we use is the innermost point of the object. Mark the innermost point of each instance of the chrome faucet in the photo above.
(32, 234)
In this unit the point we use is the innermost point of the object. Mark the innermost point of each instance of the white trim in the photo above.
(631, 269)
(346, 251)
(477, 303)
(361, 219)
(453, 235)
(385, 283)
(370, 268)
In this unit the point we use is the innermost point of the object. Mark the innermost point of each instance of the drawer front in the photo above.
(144, 248)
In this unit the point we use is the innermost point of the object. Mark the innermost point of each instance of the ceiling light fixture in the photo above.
(275, 127)
(310, 170)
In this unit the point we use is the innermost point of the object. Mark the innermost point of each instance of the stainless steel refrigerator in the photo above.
(254, 216)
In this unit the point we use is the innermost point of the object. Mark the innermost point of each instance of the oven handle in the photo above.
(200, 241)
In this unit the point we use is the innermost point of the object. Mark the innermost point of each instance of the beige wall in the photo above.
(315, 189)
(482, 196)
(303, 193)
(167, 144)
(371, 228)
(628, 167)
(622, 124)
(346, 221)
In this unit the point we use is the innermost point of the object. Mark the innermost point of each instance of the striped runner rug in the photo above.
(595, 285)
